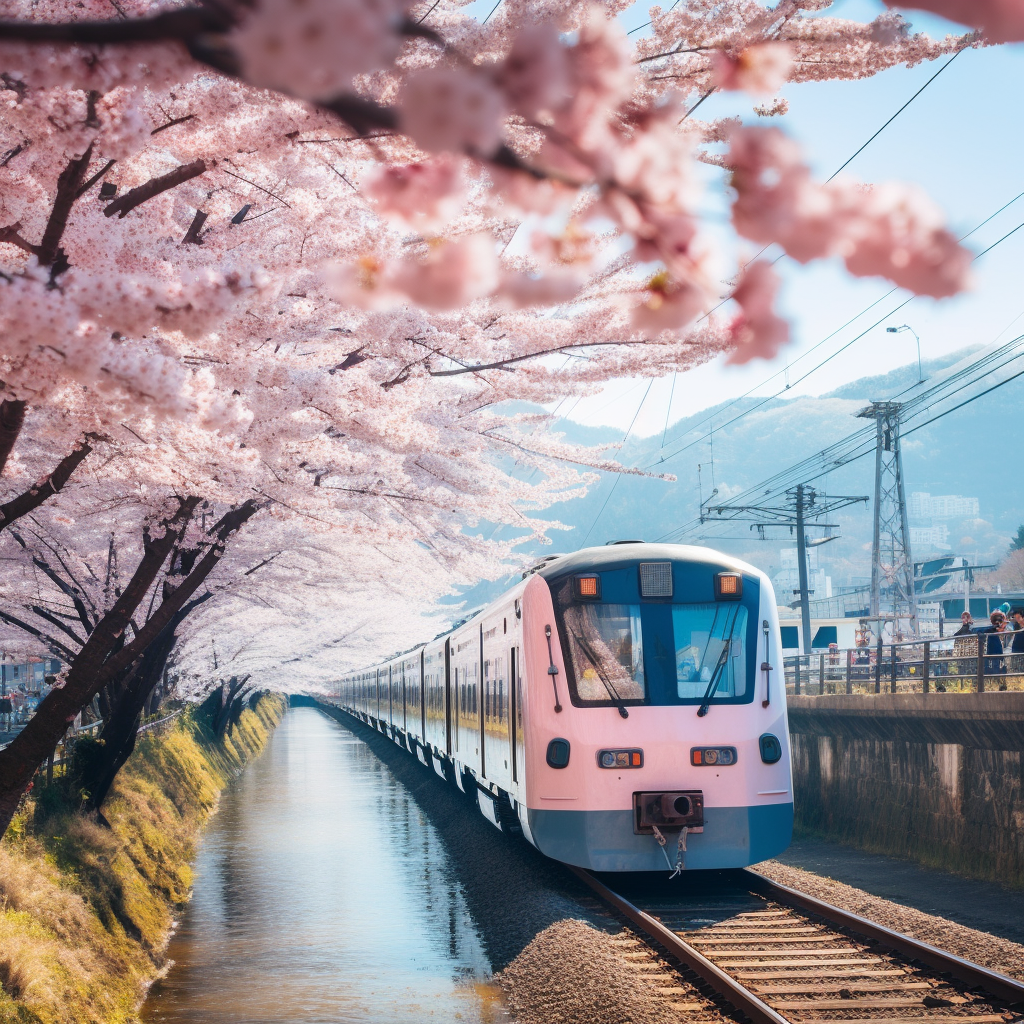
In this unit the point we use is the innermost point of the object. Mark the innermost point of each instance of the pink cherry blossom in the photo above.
(422, 195)
(313, 48)
(534, 77)
(452, 109)
(761, 69)
(758, 332)
(1000, 21)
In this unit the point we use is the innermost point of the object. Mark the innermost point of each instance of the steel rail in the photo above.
(1007, 990)
(727, 987)
(1003, 987)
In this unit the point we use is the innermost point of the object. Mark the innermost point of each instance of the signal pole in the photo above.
(891, 558)
(801, 556)
(802, 502)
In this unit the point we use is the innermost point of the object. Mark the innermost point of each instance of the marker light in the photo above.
(620, 758)
(712, 755)
(588, 587)
(728, 586)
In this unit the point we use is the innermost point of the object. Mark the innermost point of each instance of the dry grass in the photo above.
(85, 910)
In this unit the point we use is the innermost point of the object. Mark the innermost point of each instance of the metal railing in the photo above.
(972, 663)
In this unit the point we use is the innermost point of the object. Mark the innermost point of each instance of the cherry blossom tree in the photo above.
(294, 263)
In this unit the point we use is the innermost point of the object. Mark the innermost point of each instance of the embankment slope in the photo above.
(85, 911)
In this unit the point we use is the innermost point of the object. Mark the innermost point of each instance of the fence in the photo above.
(975, 662)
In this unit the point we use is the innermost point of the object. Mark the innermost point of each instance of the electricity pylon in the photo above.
(892, 565)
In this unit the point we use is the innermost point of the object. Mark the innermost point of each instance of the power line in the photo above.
(829, 358)
(860, 443)
(897, 114)
(618, 476)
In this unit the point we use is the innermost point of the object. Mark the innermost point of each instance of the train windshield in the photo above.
(607, 651)
(656, 652)
(709, 648)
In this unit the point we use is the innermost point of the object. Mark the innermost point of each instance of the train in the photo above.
(622, 707)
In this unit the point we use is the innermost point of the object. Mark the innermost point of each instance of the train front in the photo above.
(656, 729)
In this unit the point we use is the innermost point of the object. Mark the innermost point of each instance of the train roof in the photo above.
(627, 553)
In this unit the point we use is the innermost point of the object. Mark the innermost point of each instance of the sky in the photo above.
(961, 141)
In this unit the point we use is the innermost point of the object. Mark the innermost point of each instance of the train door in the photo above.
(518, 737)
(447, 689)
(485, 682)
(513, 662)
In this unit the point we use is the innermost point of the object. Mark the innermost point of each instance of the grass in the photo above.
(85, 911)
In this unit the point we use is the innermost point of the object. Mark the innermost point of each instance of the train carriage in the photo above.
(623, 707)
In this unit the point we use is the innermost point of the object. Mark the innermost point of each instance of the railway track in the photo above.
(779, 956)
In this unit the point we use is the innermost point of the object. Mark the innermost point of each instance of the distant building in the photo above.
(787, 580)
(935, 537)
(923, 505)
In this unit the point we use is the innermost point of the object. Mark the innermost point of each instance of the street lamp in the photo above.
(907, 327)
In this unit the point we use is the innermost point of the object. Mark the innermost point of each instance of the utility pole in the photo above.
(892, 566)
(802, 503)
(801, 556)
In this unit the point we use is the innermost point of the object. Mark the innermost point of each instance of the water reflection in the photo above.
(323, 894)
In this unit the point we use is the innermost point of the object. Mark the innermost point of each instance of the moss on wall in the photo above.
(85, 911)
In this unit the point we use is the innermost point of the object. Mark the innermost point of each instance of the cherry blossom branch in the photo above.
(55, 621)
(29, 500)
(68, 185)
(123, 205)
(184, 25)
(500, 363)
(55, 645)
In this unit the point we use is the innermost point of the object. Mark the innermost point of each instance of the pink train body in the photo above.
(576, 717)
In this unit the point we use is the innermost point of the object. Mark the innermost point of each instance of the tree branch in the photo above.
(182, 24)
(192, 235)
(11, 235)
(123, 205)
(27, 501)
(55, 645)
(55, 621)
(68, 185)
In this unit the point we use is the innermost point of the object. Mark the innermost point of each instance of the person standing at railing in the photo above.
(995, 663)
(962, 646)
(1017, 643)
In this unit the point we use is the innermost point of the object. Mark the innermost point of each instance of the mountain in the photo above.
(973, 451)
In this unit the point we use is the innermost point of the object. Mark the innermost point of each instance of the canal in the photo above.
(323, 894)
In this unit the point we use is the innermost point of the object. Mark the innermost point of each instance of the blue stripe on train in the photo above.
(733, 837)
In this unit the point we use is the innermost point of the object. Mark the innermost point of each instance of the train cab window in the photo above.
(607, 651)
(709, 644)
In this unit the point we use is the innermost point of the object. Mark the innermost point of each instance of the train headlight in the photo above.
(712, 756)
(621, 758)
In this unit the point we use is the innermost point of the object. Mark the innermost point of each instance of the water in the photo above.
(323, 894)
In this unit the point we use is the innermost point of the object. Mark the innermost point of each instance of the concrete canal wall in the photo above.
(936, 777)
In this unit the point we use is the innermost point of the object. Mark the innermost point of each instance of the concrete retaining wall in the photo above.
(934, 777)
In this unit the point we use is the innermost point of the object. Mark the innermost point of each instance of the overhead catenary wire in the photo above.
(618, 476)
(828, 358)
(862, 442)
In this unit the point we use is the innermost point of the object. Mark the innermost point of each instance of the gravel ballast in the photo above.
(572, 973)
(988, 950)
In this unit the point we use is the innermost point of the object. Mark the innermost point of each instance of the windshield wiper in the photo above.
(715, 676)
(605, 682)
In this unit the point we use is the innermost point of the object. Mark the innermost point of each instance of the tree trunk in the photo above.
(223, 718)
(120, 730)
(96, 663)
(91, 669)
(121, 726)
